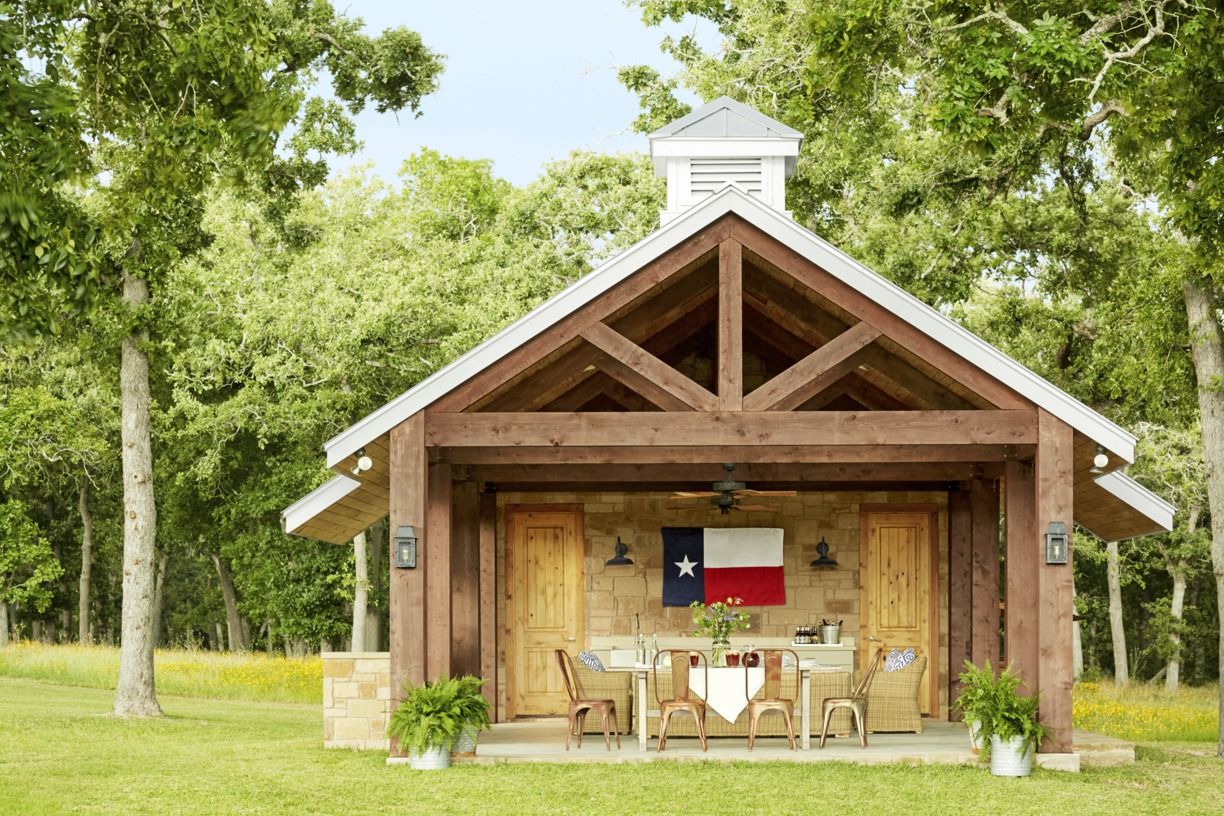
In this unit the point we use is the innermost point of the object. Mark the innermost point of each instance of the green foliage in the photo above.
(27, 564)
(994, 703)
(433, 714)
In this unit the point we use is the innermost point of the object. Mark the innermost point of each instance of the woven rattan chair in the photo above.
(682, 699)
(893, 699)
(857, 703)
(772, 699)
(580, 704)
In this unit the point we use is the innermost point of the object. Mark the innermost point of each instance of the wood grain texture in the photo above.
(1055, 469)
(487, 534)
(730, 378)
(438, 591)
(882, 428)
(407, 586)
(647, 454)
(984, 504)
(1022, 632)
(960, 587)
(814, 373)
(648, 375)
(465, 579)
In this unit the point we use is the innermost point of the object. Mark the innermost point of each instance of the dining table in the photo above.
(726, 695)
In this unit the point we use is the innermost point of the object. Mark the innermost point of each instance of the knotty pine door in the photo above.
(544, 611)
(898, 590)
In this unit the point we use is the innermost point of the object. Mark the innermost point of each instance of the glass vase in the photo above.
(718, 651)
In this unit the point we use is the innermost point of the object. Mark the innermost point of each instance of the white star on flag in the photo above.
(686, 567)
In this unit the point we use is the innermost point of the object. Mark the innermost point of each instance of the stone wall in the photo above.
(356, 699)
(616, 595)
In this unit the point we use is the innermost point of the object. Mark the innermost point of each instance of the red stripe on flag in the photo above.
(758, 586)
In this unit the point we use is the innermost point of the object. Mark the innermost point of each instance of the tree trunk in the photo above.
(1113, 574)
(1179, 598)
(136, 692)
(1207, 351)
(218, 637)
(159, 597)
(361, 589)
(233, 620)
(4, 625)
(87, 541)
(1077, 644)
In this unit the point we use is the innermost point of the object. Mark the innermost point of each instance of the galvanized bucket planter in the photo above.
(1010, 757)
(465, 745)
(432, 759)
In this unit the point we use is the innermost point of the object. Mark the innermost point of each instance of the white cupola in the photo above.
(724, 142)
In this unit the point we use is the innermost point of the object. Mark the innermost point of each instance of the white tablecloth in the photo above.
(727, 694)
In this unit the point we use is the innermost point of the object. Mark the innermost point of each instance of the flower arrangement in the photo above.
(720, 619)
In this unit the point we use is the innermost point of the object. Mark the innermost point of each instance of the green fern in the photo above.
(433, 715)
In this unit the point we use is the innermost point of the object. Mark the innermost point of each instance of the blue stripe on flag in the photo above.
(683, 546)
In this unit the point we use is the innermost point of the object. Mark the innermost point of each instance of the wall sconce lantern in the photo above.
(824, 561)
(1057, 549)
(405, 547)
(621, 549)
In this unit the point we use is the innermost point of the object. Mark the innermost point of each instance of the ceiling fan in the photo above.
(726, 495)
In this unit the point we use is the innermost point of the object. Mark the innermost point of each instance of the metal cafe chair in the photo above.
(857, 703)
(579, 704)
(771, 699)
(680, 699)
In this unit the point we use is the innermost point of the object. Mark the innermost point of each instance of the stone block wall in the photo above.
(616, 596)
(356, 699)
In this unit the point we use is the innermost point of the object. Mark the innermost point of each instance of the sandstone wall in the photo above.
(356, 699)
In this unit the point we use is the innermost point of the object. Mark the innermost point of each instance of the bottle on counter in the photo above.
(642, 657)
(654, 645)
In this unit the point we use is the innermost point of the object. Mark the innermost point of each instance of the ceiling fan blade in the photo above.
(750, 492)
(688, 494)
(757, 508)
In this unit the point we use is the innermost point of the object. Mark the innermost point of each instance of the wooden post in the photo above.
(1022, 631)
(438, 600)
(488, 598)
(960, 588)
(407, 586)
(730, 326)
(1054, 481)
(984, 503)
(465, 579)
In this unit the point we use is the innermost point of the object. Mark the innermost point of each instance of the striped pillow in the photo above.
(899, 659)
(591, 661)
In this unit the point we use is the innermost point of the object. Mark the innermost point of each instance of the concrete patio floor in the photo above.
(543, 740)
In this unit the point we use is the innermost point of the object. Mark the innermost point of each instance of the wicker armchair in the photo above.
(892, 700)
(614, 686)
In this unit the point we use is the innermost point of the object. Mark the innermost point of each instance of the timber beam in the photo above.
(814, 373)
(734, 428)
(762, 476)
(661, 454)
(641, 371)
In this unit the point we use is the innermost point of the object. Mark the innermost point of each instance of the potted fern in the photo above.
(975, 684)
(474, 710)
(427, 722)
(1008, 727)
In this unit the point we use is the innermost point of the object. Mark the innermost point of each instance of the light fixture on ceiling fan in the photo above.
(726, 495)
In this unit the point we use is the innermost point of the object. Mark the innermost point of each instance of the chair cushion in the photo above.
(592, 661)
(899, 659)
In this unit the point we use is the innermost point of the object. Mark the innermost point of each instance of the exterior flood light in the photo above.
(1099, 461)
(364, 463)
(1057, 549)
(405, 547)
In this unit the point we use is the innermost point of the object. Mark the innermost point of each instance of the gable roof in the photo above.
(724, 118)
(731, 200)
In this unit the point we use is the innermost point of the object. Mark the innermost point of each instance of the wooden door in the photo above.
(898, 590)
(544, 608)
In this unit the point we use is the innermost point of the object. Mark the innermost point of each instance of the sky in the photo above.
(525, 82)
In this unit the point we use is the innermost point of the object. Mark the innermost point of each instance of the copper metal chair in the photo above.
(579, 705)
(857, 703)
(680, 699)
(771, 699)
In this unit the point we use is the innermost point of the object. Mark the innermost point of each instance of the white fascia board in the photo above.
(316, 501)
(551, 311)
(711, 147)
(779, 226)
(1126, 489)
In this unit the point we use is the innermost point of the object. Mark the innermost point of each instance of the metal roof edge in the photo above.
(316, 501)
(1126, 489)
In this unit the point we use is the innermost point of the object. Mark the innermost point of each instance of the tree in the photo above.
(27, 564)
(152, 105)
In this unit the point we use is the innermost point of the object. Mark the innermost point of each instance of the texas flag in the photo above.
(715, 563)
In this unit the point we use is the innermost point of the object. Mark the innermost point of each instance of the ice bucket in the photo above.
(830, 634)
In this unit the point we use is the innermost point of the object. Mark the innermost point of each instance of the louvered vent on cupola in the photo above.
(724, 143)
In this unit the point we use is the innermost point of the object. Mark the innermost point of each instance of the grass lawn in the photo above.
(64, 753)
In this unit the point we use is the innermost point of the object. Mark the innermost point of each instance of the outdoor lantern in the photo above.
(1099, 461)
(621, 549)
(824, 561)
(405, 547)
(1057, 550)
